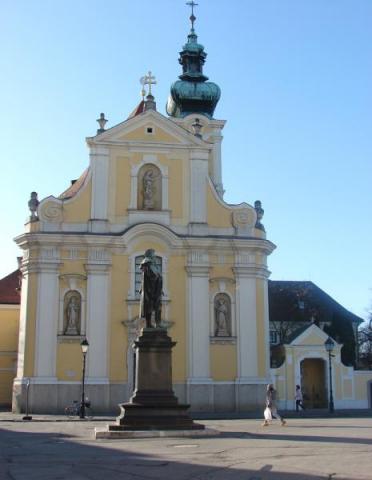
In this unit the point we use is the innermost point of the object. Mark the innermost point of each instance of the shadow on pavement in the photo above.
(56, 456)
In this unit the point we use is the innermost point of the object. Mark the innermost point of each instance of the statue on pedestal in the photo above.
(260, 213)
(151, 289)
(33, 203)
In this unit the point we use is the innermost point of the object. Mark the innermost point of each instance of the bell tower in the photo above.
(192, 93)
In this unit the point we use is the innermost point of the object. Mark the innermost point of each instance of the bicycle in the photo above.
(74, 410)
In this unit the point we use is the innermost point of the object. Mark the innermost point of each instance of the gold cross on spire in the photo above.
(149, 80)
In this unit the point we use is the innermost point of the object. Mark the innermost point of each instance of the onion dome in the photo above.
(192, 93)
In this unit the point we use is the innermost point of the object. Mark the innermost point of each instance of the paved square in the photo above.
(50, 448)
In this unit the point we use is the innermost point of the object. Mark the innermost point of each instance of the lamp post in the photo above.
(329, 346)
(84, 348)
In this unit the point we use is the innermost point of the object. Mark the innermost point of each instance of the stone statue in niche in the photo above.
(148, 189)
(222, 315)
(72, 310)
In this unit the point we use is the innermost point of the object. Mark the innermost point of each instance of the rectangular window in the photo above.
(137, 283)
(274, 337)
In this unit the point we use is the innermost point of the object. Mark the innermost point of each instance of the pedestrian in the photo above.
(271, 409)
(299, 399)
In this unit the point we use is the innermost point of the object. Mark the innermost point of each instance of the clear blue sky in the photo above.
(296, 93)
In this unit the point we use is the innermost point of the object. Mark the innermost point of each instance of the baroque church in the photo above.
(154, 182)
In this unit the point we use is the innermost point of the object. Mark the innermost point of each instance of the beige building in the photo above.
(307, 363)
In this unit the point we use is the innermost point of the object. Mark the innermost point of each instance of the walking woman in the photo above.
(271, 409)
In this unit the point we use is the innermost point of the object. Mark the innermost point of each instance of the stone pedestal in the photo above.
(153, 405)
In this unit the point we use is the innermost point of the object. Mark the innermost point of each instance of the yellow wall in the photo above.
(118, 331)
(177, 290)
(140, 135)
(176, 188)
(77, 210)
(9, 321)
(69, 360)
(223, 362)
(218, 215)
(120, 178)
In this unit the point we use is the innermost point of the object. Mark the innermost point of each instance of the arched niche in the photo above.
(72, 313)
(222, 315)
(149, 189)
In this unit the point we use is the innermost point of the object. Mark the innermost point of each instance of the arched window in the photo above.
(149, 189)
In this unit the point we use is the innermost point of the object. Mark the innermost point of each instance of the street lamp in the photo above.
(84, 348)
(329, 346)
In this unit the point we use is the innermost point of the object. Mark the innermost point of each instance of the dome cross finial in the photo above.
(192, 4)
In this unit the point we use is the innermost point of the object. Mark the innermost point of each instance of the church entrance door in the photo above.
(313, 382)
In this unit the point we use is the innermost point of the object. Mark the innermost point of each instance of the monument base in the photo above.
(153, 405)
(105, 433)
(154, 417)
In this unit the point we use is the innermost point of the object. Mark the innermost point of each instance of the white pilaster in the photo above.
(217, 166)
(23, 320)
(97, 323)
(267, 329)
(246, 325)
(198, 323)
(47, 314)
(198, 194)
(99, 162)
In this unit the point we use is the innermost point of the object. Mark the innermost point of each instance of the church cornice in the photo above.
(121, 239)
(154, 147)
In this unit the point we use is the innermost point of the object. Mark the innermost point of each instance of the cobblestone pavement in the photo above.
(51, 448)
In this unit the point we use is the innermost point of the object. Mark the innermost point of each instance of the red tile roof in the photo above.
(10, 288)
(75, 186)
(140, 108)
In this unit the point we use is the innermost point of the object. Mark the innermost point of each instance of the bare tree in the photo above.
(365, 343)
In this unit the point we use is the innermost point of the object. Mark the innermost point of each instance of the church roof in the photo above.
(75, 186)
(140, 108)
(10, 288)
(303, 301)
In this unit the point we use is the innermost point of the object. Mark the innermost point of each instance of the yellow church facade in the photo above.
(88, 243)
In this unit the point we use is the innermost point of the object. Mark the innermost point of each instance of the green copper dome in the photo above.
(192, 93)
